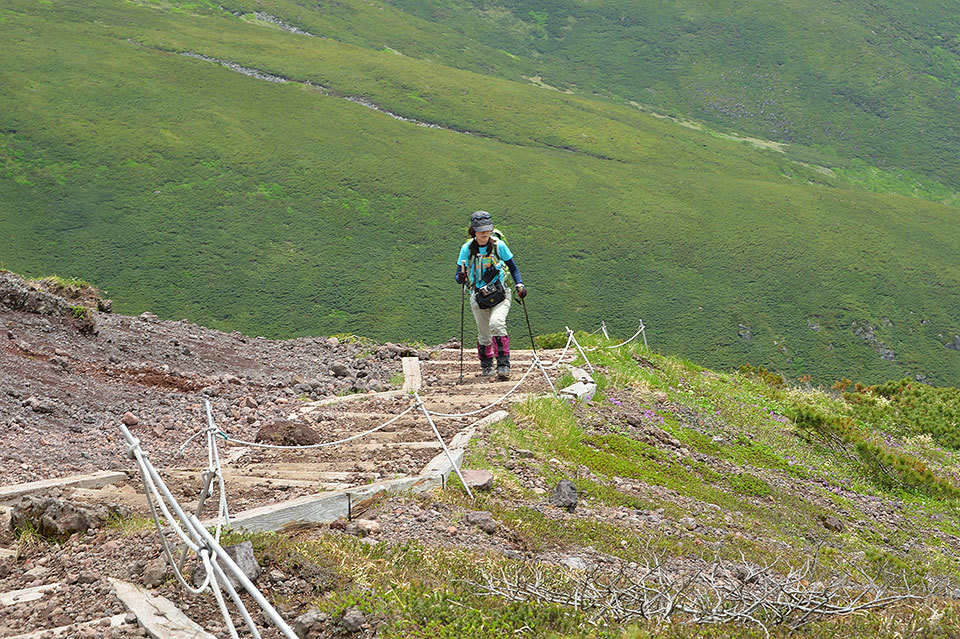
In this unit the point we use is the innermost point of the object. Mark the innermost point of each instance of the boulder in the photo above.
(287, 433)
(60, 518)
(955, 344)
(565, 495)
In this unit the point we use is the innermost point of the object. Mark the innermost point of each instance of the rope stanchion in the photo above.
(446, 450)
(579, 348)
(201, 542)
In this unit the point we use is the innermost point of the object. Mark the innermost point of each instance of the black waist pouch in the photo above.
(490, 295)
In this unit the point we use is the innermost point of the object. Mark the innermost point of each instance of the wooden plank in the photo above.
(411, 374)
(115, 622)
(440, 465)
(157, 615)
(326, 507)
(92, 480)
(25, 594)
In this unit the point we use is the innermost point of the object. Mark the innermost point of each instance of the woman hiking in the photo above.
(482, 265)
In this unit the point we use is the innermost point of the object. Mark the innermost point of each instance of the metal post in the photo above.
(539, 363)
(643, 331)
(603, 327)
(230, 565)
(442, 443)
(207, 479)
(579, 348)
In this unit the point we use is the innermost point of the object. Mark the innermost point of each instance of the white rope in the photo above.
(563, 354)
(492, 404)
(242, 442)
(152, 494)
(635, 336)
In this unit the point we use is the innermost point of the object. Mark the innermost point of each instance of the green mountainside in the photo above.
(281, 208)
(879, 80)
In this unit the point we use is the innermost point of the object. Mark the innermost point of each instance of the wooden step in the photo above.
(26, 594)
(91, 480)
(157, 615)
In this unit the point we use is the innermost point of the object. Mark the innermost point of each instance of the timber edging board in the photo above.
(93, 480)
(70, 631)
(157, 615)
(440, 465)
(325, 507)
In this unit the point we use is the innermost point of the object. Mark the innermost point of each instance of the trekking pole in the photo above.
(523, 303)
(463, 296)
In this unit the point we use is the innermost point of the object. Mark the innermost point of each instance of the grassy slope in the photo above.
(756, 480)
(879, 81)
(190, 190)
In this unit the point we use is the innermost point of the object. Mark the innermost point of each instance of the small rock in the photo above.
(130, 419)
(365, 527)
(249, 402)
(565, 495)
(310, 624)
(689, 523)
(831, 523)
(154, 572)
(482, 520)
(340, 369)
(575, 563)
(478, 479)
(287, 433)
(353, 620)
(87, 577)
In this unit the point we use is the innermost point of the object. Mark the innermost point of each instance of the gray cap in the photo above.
(481, 221)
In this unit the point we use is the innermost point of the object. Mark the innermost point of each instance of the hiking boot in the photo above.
(503, 371)
(486, 366)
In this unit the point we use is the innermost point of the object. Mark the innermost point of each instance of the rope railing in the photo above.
(536, 363)
(227, 437)
(197, 539)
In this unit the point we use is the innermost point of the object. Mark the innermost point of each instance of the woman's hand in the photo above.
(521, 291)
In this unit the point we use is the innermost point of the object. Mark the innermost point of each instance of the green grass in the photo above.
(195, 192)
(758, 494)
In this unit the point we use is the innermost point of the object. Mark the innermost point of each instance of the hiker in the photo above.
(482, 266)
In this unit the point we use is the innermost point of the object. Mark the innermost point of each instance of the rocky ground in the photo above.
(63, 391)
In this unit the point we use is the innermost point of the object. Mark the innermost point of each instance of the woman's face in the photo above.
(483, 237)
